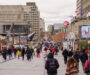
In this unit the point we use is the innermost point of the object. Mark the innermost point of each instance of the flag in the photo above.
(77, 11)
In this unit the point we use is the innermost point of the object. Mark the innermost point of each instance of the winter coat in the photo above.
(18, 52)
(70, 53)
(28, 52)
(76, 57)
(47, 64)
(83, 57)
(56, 50)
(4, 52)
(65, 53)
(38, 50)
(9, 51)
(72, 69)
(23, 52)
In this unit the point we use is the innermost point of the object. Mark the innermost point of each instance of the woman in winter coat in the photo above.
(87, 65)
(72, 67)
(18, 53)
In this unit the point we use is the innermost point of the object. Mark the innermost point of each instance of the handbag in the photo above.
(87, 70)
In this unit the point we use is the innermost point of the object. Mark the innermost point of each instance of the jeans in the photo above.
(10, 56)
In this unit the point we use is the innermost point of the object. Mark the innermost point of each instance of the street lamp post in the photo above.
(88, 18)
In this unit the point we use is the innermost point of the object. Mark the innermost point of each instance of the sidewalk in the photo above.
(34, 67)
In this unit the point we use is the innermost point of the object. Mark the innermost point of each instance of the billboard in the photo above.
(85, 31)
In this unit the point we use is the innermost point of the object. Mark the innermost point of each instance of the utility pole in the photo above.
(88, 18)
(19, 40)
(28, 31)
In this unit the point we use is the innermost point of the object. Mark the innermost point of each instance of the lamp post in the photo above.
(88, 18)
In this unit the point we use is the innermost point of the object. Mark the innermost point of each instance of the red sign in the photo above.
(77, 11)
(66, 23)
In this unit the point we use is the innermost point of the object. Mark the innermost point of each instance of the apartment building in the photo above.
(80, 20)
(42, 24)
(79, 7)
(86, 6)
(23, 19)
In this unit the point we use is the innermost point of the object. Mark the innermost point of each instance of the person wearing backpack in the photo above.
(87, 66)
(72, 67)
(51, 64)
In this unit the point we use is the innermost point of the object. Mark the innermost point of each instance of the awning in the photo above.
(30, 35)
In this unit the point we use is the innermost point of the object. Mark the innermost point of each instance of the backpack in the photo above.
(52, 65)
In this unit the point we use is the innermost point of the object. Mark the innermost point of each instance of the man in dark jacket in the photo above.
(23, 53)
(77, 57)
(65, 55)
(10, 53)
(51, 65)
(28, 53)
(70, 53)
(83, 57)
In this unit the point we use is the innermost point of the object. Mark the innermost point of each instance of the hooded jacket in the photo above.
(47, 64)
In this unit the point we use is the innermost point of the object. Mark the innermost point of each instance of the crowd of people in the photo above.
(72, 59)
(49, 50)
(19, 52)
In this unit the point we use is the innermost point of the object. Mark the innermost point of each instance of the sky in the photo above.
(52, 11)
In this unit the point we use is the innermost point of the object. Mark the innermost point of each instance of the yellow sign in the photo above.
(88, 42)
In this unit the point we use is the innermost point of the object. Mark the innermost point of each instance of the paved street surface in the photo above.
(34, 67)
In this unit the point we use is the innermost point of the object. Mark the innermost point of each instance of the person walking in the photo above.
(51, 64)
(23, 53)
(10, 53)
(56, 50)
(48, 51)
(72, 67)
(15, 52)
(87, 66)
(65, 55)
(38, 52)
(83, 57)
(18, 53)
(28, 53)
(32, 52)
(4, 53)
(45, 54)
(77, 57)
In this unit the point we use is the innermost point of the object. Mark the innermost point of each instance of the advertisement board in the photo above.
(85, 31)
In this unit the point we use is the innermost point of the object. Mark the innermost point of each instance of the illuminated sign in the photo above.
(85, 31)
